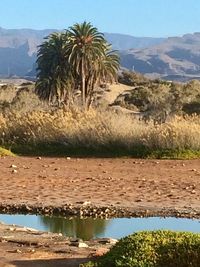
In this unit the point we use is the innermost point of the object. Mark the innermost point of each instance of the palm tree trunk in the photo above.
(83, 91)
(91, 85)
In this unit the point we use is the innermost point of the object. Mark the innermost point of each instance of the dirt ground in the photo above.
(21, 246)
(125, 183)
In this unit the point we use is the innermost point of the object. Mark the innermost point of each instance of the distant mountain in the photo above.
(126, 42)
(176, 58)
(170, 58)
(14, 38)
(18, 50)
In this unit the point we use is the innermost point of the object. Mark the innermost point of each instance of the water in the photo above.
(93, 228)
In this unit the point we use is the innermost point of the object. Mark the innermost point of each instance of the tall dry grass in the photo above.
(95, 130)
(180, 133)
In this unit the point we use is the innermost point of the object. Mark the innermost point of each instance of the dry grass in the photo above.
(7, 93)
(94, 131)
(181, 133)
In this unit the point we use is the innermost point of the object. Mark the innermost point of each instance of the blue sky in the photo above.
(134, 17)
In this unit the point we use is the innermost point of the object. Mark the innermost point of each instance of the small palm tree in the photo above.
(102, 71)
(54, 78)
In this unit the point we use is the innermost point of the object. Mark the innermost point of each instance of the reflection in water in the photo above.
(76, 227)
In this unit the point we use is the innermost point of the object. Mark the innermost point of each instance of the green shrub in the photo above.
(132, 78)
(158, 99)
(153, 249)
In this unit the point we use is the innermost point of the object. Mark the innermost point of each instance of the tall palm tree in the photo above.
(54, 78)
(85, 47)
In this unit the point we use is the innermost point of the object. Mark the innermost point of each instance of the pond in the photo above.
(94, 228)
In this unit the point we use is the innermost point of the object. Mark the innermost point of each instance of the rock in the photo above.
(28, 208)
(13, 166)
(110, 241)
(186, 188)
(170, 195)
(68, 158)
(84, 203)
(30, 229)
(31, 250)
(79, 244)
(138, 200)
(14, 171)
(11, 229)
(82, 245)
(75, 240)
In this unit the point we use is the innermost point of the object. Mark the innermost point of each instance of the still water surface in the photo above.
(92, 228)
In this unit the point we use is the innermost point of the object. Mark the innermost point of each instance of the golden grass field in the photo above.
(27, 122)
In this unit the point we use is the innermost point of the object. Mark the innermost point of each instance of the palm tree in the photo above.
(103, 71)
(86, 45)
(80, 58)
(54, 78)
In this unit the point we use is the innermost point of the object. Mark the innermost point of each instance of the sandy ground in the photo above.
(115, 91)
(125, 183)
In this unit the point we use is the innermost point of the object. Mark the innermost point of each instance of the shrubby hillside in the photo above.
(158, 100)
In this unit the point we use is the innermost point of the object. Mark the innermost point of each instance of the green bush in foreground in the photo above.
(153, 249)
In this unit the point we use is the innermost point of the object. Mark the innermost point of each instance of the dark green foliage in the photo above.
(191, 108)
(154, 249)
(54, 76)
